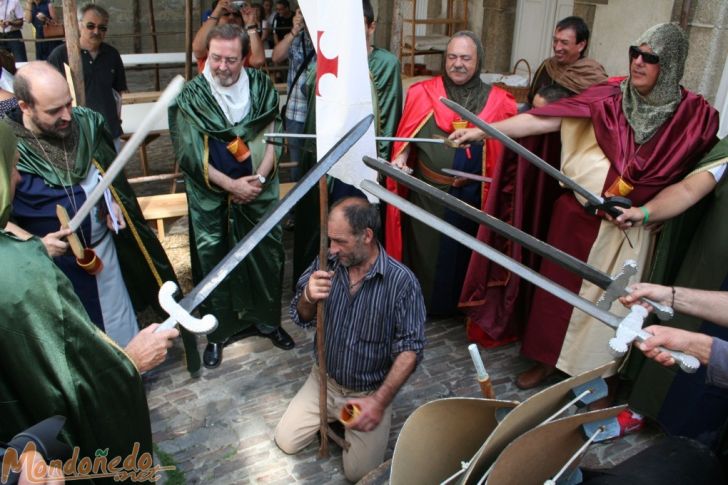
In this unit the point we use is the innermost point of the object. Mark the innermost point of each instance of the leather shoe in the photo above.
(250, 331)
(280, 339)
(212, 356)
(534, 376)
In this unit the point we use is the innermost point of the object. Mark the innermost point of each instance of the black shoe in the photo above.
(212, 356)
(280, 339)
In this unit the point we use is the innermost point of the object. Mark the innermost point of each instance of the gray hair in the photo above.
(101, 11)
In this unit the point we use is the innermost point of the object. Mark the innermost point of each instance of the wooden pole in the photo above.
(70, 23)
(188, 39)
(136, 25)
(155, 47)
(320, 334)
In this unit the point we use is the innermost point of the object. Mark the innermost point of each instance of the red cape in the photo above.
(423, 101)
(494, 299)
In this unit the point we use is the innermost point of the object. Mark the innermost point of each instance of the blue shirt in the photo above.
(366, 331)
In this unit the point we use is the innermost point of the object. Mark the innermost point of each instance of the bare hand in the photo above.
(631, 217)
(148, 349)
(55, 244)
(696, 344)
(221, 6)
(319, 285)
(245, 189)
(119, 217)
(656, 293)
(465, 136)
(370, 415)
(400, 161)
(250, 15)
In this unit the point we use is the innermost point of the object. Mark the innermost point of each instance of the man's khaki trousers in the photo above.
(300, 424)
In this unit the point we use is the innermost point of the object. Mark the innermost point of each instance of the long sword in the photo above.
(594, 201)
(307, 136)
(172, 90)
(200, 292)
(628, 328)
(614, 287)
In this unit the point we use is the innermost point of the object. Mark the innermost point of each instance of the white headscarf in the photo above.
(233, 100)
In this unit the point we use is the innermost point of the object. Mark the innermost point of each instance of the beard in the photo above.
(225, 78)
(59, 129)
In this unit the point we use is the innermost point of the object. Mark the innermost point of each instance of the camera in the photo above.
(238, 4)
(45, 437)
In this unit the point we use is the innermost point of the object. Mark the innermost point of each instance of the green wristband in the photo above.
(646, 215)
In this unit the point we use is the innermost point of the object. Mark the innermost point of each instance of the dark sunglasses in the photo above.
(647, 58)
(93, 26)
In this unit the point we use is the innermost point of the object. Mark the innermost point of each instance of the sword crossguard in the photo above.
(619, 287)
(609, 205)
(630, 329)
(177, 314)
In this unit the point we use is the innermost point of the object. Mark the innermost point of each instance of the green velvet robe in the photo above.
(144, 264)
(56, 362)
(692, 252)
(252, 293)
(386, 84)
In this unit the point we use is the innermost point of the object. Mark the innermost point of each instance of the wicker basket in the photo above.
(518, 92)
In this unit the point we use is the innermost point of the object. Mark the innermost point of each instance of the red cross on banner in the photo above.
(324, 65)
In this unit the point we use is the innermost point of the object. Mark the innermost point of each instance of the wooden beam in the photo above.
(188, 39)
(155, 46)
(70, 23)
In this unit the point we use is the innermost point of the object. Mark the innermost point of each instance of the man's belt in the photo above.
(439, 178)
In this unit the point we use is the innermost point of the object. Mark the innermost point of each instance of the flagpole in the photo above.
(320, 344)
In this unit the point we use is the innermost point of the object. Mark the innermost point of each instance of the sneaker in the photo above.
(630, 422)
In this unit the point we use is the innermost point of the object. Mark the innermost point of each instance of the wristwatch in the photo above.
(261, 178)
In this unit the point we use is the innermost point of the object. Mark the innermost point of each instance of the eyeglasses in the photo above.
(647, 57)
(93, 26)
(228, 60)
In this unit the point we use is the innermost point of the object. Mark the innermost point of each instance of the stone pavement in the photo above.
(219, 427)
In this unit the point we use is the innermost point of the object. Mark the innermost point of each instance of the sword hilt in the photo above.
(609, 205)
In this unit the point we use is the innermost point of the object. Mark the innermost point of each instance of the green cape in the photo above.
(691, 252)
(386, 83)
(252, 293)
(56, 362)
(144, 264)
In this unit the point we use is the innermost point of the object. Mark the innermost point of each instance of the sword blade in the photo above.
(127, 151)
(466, 175)
(566, 260)
(526, 240)
(497, 257)
(310, 136)
(200, 292)
(591, 197)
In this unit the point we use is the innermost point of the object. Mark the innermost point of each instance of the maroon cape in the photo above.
(495, 300)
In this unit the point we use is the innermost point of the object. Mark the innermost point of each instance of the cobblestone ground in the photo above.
(219, 427)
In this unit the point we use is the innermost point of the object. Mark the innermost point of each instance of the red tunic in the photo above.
(495, 300)
(423, 100)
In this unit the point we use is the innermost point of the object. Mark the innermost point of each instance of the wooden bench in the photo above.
(157, 208)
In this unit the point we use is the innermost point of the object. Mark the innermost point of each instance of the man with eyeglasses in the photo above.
(217, 124)
(236, 13)
(568, 67)
(630, 137)
(103, 71)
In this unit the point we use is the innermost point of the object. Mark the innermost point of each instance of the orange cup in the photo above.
(349, 414)
(459, 124)
(238, 149)
(619, 188)
(90, 262)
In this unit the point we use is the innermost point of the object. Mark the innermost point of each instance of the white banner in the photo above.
(343, 89)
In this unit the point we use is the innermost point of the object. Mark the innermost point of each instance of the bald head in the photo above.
(358, 213)
(44, 98)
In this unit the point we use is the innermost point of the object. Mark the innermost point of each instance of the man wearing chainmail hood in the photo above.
(438, 261)
(64, 152)
(629, 137)
(568, 67)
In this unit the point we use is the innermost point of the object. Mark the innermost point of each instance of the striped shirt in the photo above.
(366, 331)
